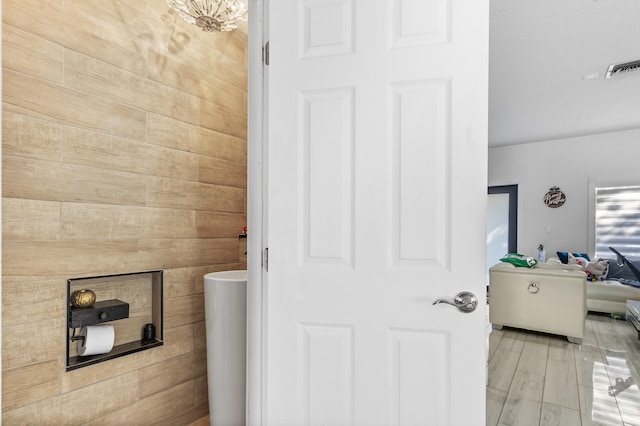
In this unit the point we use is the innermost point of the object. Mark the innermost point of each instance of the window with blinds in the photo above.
(618, 221)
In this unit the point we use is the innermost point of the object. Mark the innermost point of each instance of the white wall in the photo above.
(569, 164)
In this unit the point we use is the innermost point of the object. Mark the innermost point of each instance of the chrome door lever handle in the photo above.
(464, 301)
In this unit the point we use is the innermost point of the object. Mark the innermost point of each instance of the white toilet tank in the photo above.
(225, 296)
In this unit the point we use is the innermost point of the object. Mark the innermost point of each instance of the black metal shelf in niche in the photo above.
(100, 312)
(129, 301)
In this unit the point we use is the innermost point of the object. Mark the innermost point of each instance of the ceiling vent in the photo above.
(620, 69)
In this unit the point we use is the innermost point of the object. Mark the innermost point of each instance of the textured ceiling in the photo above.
(548, 60)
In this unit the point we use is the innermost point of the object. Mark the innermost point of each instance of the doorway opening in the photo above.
(502, 223)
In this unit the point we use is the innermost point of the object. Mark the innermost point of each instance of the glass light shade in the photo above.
(211, 15)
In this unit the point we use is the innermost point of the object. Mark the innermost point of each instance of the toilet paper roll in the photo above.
(98, 339)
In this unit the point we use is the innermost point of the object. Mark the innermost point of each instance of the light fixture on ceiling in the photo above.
(211, 15)
(620, 69)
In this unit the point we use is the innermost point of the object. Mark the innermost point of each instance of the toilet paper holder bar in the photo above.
(75, 338)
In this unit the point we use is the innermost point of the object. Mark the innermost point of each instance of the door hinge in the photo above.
(265, 51)
(265, 259)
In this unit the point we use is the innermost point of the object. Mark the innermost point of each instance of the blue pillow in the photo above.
(564, 256)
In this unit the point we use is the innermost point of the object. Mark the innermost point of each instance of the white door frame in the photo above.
(255, 209)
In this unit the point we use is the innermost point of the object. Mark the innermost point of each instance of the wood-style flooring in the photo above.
(542, 379)
(203, 421)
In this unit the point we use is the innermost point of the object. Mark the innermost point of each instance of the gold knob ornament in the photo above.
(82, 299)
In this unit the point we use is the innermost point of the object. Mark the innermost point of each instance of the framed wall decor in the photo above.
(554, 198)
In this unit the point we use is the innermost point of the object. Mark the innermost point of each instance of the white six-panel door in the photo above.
(376, 134)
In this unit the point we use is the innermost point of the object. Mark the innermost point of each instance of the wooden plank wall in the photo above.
(124, 150)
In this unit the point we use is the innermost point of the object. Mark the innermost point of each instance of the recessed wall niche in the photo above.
(129, 302)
